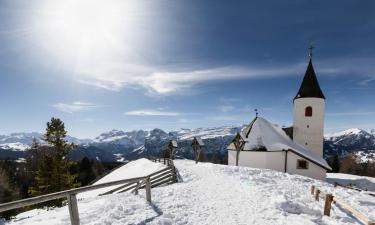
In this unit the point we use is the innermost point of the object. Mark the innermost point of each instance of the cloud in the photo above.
(159, 81)
(87, 120)
(367, 81)
(145, 112)
(167, 80)
(74, 107)
(354, 113)
(226, 108)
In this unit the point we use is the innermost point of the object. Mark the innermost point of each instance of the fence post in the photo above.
(174, 174)
(136, 188)
(148, 189)
(328, 204)
(73, 209)
(317, 192)
(312, 189)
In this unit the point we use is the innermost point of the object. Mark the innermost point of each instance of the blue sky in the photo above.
(140, 64)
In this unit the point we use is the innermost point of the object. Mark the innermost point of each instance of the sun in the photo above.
(84, 29)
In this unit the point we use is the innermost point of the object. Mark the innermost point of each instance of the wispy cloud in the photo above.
(87, 120)
(171, 81)
(145, 112)
(168, 81)
(226, 108)
(75, 106)
(367, 81)
(354, 113)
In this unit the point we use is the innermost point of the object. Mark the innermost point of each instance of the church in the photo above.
(295, 150)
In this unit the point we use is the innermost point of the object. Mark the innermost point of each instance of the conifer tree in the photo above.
(86, 172)
(53, 170)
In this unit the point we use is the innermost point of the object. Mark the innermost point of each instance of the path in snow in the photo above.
(215, 194)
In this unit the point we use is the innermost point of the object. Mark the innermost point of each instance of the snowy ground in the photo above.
(360, 182)
(214, 194)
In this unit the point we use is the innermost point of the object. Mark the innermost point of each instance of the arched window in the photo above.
(308, 111)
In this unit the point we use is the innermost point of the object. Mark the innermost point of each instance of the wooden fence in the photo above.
(329, 199)
(164, 176)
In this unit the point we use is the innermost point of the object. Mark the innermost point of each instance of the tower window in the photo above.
(308, 111)
(302, 164)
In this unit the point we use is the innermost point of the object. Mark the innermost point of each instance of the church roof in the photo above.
(262, 135)
(310, 86)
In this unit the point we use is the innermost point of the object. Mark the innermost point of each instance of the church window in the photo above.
(302, 164)
(308, 111)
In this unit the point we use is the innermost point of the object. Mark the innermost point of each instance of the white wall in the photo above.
(276, 161)
(313, 171)
(309, 130)
(266, 160)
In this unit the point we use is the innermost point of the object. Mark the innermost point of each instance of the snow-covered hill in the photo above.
(354, 140)
(215, 194)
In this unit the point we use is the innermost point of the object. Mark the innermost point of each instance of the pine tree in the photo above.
(334, 162)
(86, 172)
(53, 170)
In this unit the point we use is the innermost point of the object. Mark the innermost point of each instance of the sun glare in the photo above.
(82, 29)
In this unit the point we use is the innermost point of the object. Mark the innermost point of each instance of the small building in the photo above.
(197, 145)
(297, 149)
(268, 146)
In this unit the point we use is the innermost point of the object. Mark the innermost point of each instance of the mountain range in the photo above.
(117, 145)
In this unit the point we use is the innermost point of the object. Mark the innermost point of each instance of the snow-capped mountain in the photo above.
(358, 141)
(21, 141)
(117, 145)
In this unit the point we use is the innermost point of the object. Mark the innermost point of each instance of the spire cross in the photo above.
(310, 51)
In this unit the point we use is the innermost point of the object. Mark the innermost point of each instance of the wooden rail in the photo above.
(329, 199)
(71, 196)
(164, 176)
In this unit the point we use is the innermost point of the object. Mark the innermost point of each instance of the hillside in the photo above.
(214, 194)
(117, 145)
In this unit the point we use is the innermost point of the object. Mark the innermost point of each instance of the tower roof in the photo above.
(310, 86)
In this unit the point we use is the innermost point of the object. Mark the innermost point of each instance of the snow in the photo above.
(365, 156)
(273, 138)
(137, 168)
(361, 182)
(17, 146)
(352, 131)
(215, 194)
(207, 133)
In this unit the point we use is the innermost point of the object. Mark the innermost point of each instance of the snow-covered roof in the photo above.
(174, 143)
(199, 140)
(262, 134)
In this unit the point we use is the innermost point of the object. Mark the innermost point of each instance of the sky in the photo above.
(138, 64)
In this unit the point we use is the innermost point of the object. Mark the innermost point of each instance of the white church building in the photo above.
(295, 150)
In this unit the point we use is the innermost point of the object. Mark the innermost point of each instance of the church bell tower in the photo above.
(309, 105)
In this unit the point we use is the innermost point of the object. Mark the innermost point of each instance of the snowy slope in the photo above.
(138, 168)
(215, 194)
(361, 182)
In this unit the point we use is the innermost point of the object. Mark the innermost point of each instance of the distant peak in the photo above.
(351, 131)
